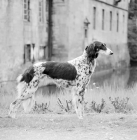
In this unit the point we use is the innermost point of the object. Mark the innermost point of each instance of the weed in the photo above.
(41, 108)
(120, 105)
(68, 107)
(98, 107)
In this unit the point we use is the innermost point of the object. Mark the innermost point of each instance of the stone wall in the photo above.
(15, 33)
(11, 40)
(60, 30)
(115, 39)
(68, 32)
(69, 17)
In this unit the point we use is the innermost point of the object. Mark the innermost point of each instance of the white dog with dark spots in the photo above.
(74, 75)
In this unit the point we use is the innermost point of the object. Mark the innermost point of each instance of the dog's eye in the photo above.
(97, 49)
(86, 47)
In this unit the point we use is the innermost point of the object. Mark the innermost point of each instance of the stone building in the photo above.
(23, 34)
(79, 22)
(59, 30)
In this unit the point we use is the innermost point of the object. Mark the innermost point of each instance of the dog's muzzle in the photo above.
(106, 52)
(109, 52)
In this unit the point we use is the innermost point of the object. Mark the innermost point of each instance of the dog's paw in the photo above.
(12, 115)
(80, 117)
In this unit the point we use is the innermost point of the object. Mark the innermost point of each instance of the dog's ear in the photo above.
(92, 52)
(93, 44)
(96, 55)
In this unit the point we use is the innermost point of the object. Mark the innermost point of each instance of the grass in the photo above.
(93, 95)
(106, 92)
(7, 94)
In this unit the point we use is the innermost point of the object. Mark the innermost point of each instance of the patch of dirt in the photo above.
(69, 127)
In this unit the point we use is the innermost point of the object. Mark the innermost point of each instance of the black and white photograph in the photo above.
(68, 69)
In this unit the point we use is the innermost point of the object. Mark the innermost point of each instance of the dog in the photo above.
(74, 75)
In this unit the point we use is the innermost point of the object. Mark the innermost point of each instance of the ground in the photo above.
(53, 126)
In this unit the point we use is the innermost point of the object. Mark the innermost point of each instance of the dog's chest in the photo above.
(84, 72)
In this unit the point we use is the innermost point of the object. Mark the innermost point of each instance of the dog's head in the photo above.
(96, 48)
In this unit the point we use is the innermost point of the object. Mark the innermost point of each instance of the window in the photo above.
(33, 58)
(103, 16)
(47, 5)
(47, 13)
(117, 22)
(42, 52)
(27, 10)
(110, 20)
(86, 33)
(123, 22)
(27, 53)
(94, 17)
(41, 14)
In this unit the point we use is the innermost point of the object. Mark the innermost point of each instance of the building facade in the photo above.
(79, 22)
(24, 33)
(59, 30)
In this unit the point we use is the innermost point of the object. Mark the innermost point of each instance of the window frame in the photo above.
(123, 23)
(117, 22)
(41, 11)
(26, 14)
(111, 19)
(27, 53)
(103, 19)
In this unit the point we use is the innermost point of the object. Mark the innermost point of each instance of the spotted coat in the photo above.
(79, 69)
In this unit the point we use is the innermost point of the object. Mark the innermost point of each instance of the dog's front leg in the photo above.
(81, 105)
(78, 100)
(75, 102)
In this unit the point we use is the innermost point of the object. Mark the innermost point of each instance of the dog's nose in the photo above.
(111, 53)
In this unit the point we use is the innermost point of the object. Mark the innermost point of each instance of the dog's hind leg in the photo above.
(26, 95)
(28, 104)
(15, 105)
